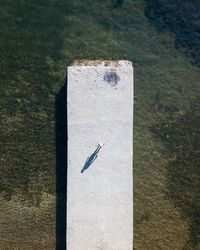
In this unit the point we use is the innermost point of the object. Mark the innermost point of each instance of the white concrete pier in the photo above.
(100, 189)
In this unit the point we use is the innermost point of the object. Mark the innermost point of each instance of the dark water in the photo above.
(38, 40)
(182, 18)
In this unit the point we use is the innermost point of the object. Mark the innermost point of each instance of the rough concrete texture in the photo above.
(100, 197)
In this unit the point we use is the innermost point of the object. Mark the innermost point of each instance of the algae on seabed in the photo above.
(38, 40)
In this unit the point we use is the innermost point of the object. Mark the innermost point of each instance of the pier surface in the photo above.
(100, 155)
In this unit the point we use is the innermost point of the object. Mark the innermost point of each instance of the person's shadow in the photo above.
(61, 166)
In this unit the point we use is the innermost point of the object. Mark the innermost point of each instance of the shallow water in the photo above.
(38, 41)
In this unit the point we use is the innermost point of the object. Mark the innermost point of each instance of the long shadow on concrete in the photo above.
(61, 166)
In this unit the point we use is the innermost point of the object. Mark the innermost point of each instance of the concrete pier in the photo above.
(100, 156)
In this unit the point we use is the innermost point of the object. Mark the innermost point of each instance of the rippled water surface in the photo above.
(38, 40)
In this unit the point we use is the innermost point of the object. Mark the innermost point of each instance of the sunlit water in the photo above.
(38, 40)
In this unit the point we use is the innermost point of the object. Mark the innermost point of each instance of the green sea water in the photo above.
(38, 40)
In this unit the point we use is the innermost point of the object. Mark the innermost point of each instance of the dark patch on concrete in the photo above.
(111, 77)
